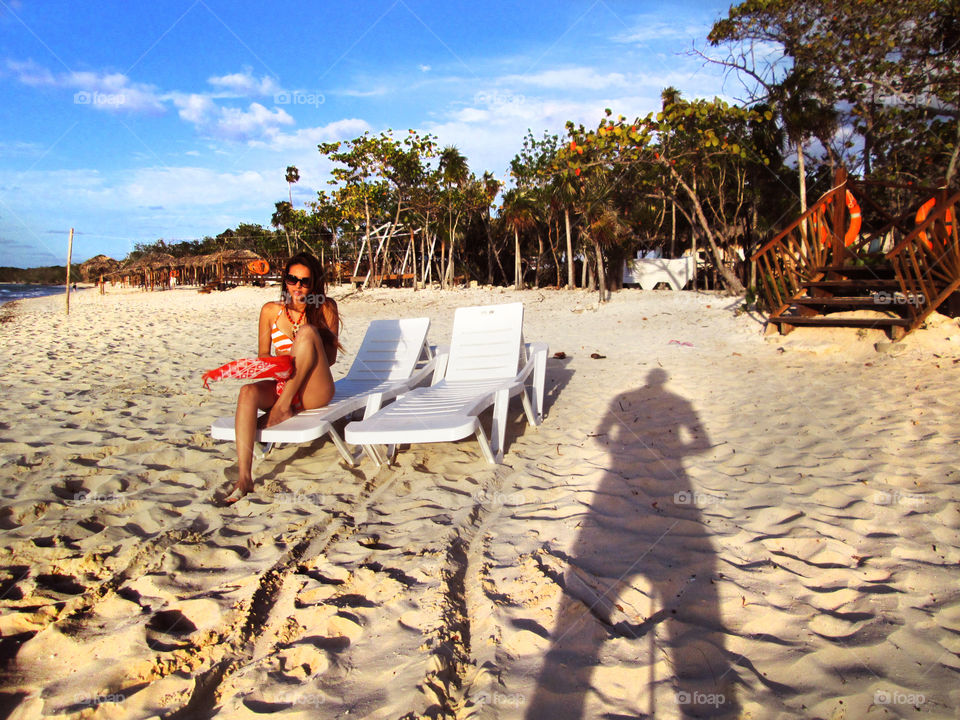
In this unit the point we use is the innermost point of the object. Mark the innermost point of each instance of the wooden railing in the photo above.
(814, 243)
(795, 255)
(927, 260)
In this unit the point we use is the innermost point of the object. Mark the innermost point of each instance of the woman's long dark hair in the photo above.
(315, 298)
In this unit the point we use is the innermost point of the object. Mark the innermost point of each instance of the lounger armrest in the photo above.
(536, 357)
(442, 354)
(537, 364)
(429, 368)
(374, 402)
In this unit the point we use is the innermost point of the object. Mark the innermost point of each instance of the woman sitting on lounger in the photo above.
(304, 324)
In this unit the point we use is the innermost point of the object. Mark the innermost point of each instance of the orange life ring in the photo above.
(258, 267)
(853, 230)
(922, 215)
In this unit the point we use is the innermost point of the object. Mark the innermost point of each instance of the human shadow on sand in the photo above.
(642, 570)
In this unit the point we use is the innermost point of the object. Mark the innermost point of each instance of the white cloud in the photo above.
(111, 92)
(230, 123)
(375, 91)
(569, 78)
(195, 109)
(244, 84)
(257, 121)
(489, 136)
(191, 187)
(658, 31)
(18, 148)
(309, 138)
(29, 73)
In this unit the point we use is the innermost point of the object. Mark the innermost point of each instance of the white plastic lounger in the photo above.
(385, 365)
(481, 370)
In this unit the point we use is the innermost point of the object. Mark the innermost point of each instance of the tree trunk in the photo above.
(443, 263)
(730, 281)
(601, 273)
(516, 260)
(556, 260)
(413, 258)
(366, 212)
(673, 229)
(952, 165)
(429, 270)
(538, 275)
(490, 253)
(803, 188)
(570, 278)
(448, 275)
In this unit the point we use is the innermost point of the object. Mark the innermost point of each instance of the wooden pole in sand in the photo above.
(69, 258)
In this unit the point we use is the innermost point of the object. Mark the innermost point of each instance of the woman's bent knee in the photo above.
(250, 394)
(308, 334)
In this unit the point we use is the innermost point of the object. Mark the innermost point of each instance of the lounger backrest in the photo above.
(486, 342)
(390, 349)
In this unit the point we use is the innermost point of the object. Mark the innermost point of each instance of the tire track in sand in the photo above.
(457, 671)
(233, 655)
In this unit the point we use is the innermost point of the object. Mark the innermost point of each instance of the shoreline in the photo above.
(785, 507)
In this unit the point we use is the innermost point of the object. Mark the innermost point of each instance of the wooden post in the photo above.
(839, 217)
(69, 258)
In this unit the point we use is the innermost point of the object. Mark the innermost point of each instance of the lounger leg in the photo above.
(498, 426)
(345, 453)
(539, 379)
(528, 406)
(485, 446)
(372, 453)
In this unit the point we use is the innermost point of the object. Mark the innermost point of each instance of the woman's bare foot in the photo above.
(278, 415)
(240, 488)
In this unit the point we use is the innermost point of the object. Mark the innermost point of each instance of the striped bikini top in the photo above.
(281, 341)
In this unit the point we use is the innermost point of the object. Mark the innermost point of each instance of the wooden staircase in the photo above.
(844, 289)
(809, 275)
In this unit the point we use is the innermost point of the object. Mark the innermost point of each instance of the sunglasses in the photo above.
(294, 280)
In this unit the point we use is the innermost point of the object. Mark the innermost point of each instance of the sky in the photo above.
(176, 119)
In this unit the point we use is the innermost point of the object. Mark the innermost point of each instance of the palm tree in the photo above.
(282, 217)
(293, 175)
(491, 186)
(564, 191)
(602, 224)
(453, 172)
(518, 213)
(804, 114)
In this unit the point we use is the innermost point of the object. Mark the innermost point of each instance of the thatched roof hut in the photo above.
(92, 269)
(150, 270)
(154, 261)
(230, 264)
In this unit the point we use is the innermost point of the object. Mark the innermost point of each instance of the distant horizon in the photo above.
(177, 120)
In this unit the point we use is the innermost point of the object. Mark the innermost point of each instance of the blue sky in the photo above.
(176, 119)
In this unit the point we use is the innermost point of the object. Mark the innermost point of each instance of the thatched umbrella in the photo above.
(188, 264)
(93, 268)
(233, 262)
(150, 266)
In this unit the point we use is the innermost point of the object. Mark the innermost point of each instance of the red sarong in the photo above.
(279, 367)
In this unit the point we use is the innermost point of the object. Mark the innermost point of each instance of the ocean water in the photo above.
(17, 291)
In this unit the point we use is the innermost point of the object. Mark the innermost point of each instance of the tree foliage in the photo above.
(888, 70)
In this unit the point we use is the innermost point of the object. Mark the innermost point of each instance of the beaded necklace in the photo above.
(296, 325)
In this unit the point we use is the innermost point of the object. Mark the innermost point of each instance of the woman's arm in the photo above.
(263, 331)
(331, 316)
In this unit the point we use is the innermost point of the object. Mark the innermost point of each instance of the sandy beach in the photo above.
(709, 522)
